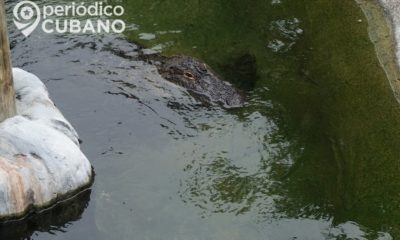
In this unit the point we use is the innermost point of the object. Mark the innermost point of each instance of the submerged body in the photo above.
(200, 81)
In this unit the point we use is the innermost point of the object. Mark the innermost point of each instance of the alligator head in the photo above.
(199, 80)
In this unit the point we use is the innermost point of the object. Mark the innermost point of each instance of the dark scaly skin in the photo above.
(200, 81)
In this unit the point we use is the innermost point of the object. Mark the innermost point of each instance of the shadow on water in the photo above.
(53, 221)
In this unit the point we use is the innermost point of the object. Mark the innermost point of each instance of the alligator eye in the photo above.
(189, 75)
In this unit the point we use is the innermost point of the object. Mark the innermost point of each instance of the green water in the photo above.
(309, 67)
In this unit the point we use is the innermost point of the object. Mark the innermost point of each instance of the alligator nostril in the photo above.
(189, 75)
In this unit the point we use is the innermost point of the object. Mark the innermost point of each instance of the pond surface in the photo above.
(314, 154)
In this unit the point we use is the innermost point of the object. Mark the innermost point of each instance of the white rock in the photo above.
(392, 8)
(40, 158)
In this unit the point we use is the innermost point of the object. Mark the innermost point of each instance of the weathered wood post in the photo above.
(7, 95)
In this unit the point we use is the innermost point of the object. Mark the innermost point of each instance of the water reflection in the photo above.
(286, 33)
(54, 221)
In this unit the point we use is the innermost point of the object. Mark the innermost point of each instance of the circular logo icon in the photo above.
(26, 17)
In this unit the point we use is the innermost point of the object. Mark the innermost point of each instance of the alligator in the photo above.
(200, 81)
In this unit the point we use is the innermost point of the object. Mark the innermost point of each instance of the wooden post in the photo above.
(7, 94)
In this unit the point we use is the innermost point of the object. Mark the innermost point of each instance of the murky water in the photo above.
(313, 155)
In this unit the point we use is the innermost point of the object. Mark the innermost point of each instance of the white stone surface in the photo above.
(392, 8)
(40, 158)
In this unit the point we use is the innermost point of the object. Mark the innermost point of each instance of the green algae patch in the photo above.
(354, 153)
